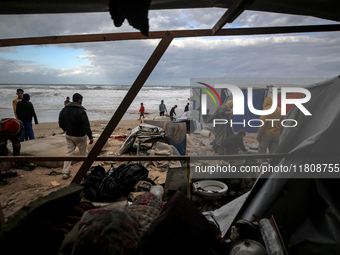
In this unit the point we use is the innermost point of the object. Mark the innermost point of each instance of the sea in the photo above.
(101, 101)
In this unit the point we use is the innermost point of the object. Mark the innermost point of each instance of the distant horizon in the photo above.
(161, 85)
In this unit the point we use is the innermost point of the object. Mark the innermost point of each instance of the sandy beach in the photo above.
(29, 185)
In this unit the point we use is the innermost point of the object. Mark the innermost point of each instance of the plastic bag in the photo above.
(116, 183)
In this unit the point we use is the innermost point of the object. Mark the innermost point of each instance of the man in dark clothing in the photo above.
(25, 113)
(74, 121)
(172, 112)
(232, 144)
(162, 108)
(186, 108)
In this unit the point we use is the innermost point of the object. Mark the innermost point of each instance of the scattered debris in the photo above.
(54, 173)
(55, 183)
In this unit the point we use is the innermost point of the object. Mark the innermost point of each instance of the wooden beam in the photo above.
(164, 158)
(160, 34)
(2, 218)
(278, 30)
(124, 105)
(231, 14)
(145, 158)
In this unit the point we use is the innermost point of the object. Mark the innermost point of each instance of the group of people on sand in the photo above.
(73, 120)
(24, 112)
(226, 142)
(162, 109)
(20, 128)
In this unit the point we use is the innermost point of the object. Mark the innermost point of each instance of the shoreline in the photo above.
(50, 116)
(46, 129)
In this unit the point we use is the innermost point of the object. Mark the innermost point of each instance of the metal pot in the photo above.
(247, 247)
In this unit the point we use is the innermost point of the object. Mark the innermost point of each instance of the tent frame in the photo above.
(160, 34)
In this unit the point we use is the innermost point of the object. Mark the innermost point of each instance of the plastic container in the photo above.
(157, 190)
(176, 132)
(206, 133)
(270, 238)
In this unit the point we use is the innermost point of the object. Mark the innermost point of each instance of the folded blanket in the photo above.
(107, 231)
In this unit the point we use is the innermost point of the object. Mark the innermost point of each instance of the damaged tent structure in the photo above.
(304, 201)
(314, 229)
(144, 133)
(156, 136)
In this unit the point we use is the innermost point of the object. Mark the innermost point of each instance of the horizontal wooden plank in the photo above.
(166, 158)
(141, 158)
(159, 34)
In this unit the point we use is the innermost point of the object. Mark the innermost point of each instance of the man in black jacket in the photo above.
(172, 112)
(74, 121)
(25, 113)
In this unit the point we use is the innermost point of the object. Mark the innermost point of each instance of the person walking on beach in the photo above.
(74, 121)
(20, 93)
(67, 101)
(268, 135)
(221, 132)
(186, 108)
(25, 112)
(141, 110)
(162, 108)
(11, 129)
(172, 112)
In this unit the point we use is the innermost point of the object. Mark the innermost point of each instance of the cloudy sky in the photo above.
(311, 55)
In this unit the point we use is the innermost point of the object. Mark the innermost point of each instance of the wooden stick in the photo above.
(2, 218)
(125, 104)
(160, 34)
(145, 158)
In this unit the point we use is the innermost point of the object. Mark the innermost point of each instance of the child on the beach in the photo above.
(20, 93)
(67, 101)
(141, 110)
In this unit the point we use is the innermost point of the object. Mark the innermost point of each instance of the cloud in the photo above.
(261, 56)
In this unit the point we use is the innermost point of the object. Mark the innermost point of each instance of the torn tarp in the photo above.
(305, 203)
(224, 216)
(135, 11)
(159, 148)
